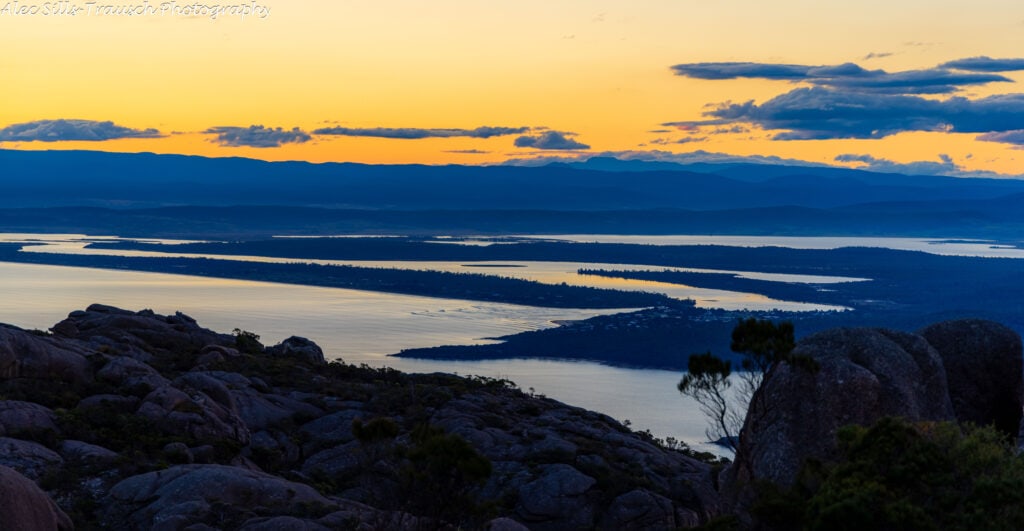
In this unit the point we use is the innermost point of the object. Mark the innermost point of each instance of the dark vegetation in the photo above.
(908, 476)
(657, 337)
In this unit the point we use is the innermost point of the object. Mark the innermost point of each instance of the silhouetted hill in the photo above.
(84, 178)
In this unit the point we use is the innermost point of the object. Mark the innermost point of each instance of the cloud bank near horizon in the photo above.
(416, 133)
(67, 130)
(257, 136)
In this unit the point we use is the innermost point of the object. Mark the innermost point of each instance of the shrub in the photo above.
(899, 475)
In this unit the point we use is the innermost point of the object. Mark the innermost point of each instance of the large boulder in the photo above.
(640, 509)
(865, 375)
(25, 507)
(557, 499)
(27, 420)
(190, 494)
(984, 370)
(131, 375)
(140, 333)
(30, 459)
(27, 355)
(195, 414)
(299, 348)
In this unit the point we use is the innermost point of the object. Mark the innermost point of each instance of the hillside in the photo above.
(139, 421)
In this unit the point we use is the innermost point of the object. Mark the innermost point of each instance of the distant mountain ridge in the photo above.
(89, 178)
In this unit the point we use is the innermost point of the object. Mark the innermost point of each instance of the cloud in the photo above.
(877, 55)
(1013, 136)
(412, 133)
(684, 140)
(847, 76)
(985, 64)
(467, 151)
(258, 136)
(738, 70)
(923, 167)
(867, 162)
(697, 156)
(731, 130)
(68, 130)
(550, 140)
(821, 113)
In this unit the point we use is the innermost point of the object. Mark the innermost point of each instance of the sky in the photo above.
(907, 85)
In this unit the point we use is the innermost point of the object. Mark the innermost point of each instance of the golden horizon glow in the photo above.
(597, 68)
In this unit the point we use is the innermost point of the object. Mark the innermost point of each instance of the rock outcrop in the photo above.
(25, 507)
(153, 422)
(190, 494)
(134, 420)
(865, 374)
(983, 364)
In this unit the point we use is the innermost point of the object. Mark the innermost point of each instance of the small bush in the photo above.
(898, 475)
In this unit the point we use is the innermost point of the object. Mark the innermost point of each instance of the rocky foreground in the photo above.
(124, 420)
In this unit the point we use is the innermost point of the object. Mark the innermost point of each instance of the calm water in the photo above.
(545, 272)
(360, 327)
(947, 247)
(363, 327)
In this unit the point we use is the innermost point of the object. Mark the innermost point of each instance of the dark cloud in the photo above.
(412, 133)
(550, 140)
(258, 136)
(877, 55)
(1013, 136)
(985, 64)
(467, 151)
(67, 130)
(738, 70)
(931, 81)
(847, 76)
(821, 113)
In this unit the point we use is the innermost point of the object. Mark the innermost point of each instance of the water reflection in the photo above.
(545, 272)
(360, 327)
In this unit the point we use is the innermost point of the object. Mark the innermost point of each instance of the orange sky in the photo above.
(598, 69)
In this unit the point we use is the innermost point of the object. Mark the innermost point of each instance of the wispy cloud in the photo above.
(554, 140)
(414, 133)
(945, 166)
(697, 156)
(68, 130)
(258, 136)
(467, 151)
(848, 76)
(1013, 136)
(877, 55)
(985, 64)
(684, 140)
